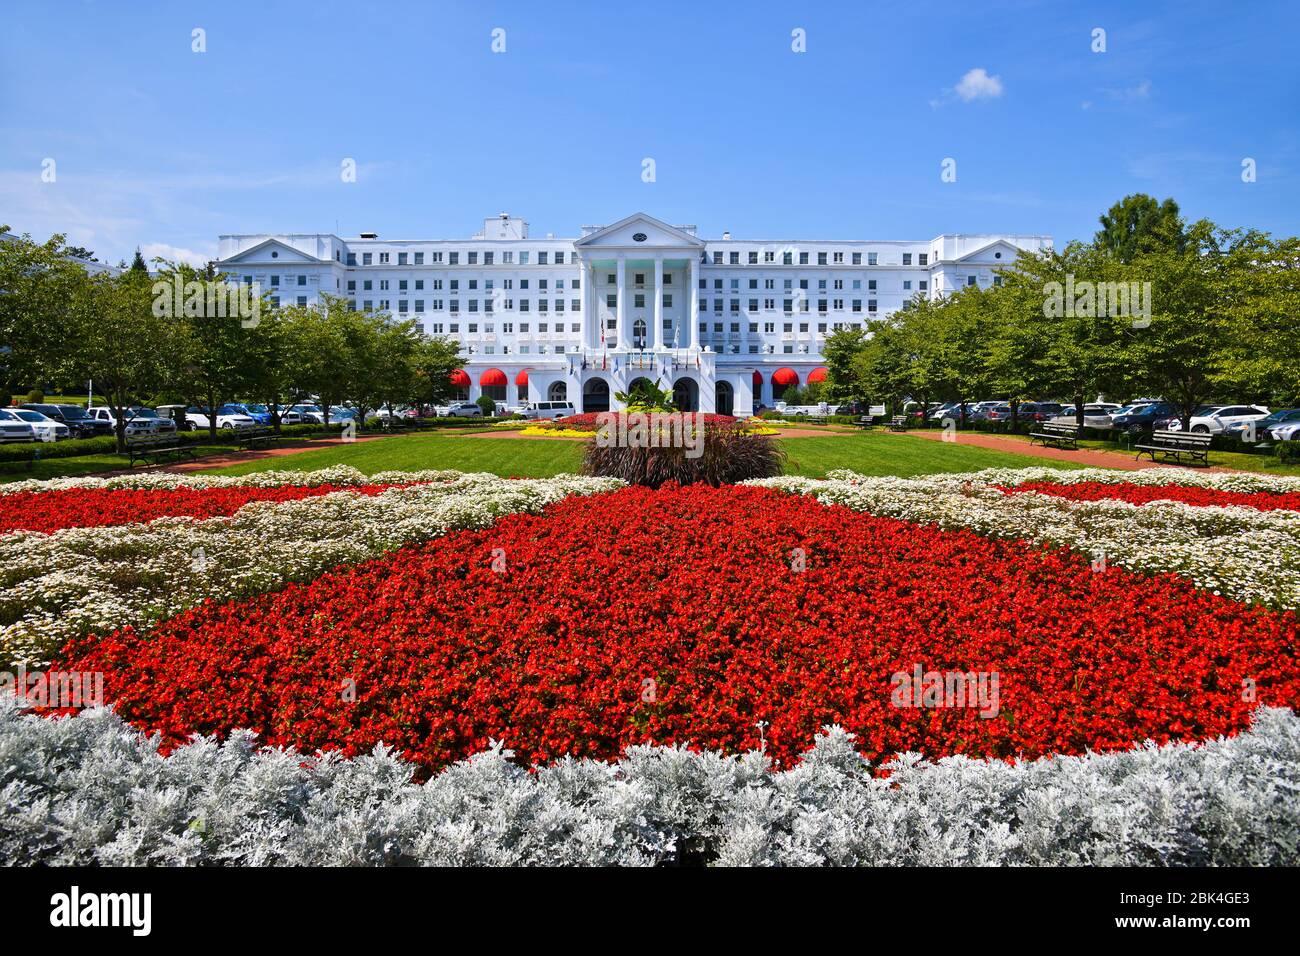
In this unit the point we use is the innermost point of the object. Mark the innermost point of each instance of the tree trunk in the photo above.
(1015, 414)
(212, 416)
(1078, 412)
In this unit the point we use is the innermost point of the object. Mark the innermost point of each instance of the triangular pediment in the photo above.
(639, 231)
(989, 254)
(262, 253)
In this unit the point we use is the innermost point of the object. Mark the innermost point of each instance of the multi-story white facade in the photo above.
(727, 324)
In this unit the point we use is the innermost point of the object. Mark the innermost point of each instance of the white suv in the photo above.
(545, 410)
(1214, 422)
(134, 426)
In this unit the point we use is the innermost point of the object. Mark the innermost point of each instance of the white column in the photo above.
(656, 330)
(624, 332)
(692, 282)
(591, 307)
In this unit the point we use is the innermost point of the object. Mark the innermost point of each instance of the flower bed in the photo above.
(48, 511)
(75, 581)
(692, 615)
(1243, 553)
(1144, 494)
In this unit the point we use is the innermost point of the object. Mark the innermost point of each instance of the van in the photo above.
(548, 410)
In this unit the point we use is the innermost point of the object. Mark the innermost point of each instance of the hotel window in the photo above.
(454, 307)
(401, 305)
(753, 305)
(734, 259)
(923, 258)
(487, 258)
(923, 285)
(559, 305)
(302, 280)
(871, 259)
(401, 258)
(368, 285)
(638, 278)
(419, 305)
(871, 285)
(473, 326)
(717, 284)
(352, 258)
(455, 285)
(803, 258)
(453, 258)
(473, 306)
(383, 305)
(907, 284)
(507, 258)
(489, 306)
(753, 258)
(541, 258)
(435, 257)
(419, 285)
(638, 300)
(838, 258)
(717, 306)
(367, 258)
(857, 258)
(704, 305)
(367, 304)
(612, 279)
(523, 283)
(541, 285)
(401, 285)
(575, 305)
(559, 285)
(970, 280)
(419, 258)
(523, 305)
(857, 305)
(821, 305)
(735, 305)
(352, 285)
(668, 300)
(559, 258)
(787, 258)
(769, 304)
(507, 328)
(821, 258)
(907, 258)
(523, 258)
(769, 328)
(871, 305)
(471, 258)
(611, 300)
(717, 258)
(437, 305)
(302, 300)
(803, 327)
(575, 284)
(435, 328)
(787, 305)
(275, 281)
(838, 305)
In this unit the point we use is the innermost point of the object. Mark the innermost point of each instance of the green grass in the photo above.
(882, 453)
(870, 454)
(509, 457)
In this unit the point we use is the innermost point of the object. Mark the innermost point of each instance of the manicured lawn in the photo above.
(508, 457)
(870, 454)
(880, 453)
(1261, 464)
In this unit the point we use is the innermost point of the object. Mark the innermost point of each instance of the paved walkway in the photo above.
(1092, 458)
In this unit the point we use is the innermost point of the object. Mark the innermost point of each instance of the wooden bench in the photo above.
(260, 437)
(1056, 433)
(864, 422)
(898, 423)
(153, 449)
(1176, 446)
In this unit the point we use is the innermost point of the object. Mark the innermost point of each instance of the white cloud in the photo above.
(978, 85)
(175, 254)
(1131, 94)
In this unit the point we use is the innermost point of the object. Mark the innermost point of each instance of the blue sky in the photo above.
(158, 146)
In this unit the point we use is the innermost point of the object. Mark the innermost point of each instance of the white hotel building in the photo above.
(727, 323)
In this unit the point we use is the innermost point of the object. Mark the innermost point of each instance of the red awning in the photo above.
(493, 376)
(785, 376)
(522, 379)
(758, 379)
(460, 378)
(817, 375)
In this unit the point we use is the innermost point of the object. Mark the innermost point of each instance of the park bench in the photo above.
(898, 423)
(260, 437)
(864, 422)
(1176, 446)
(1056, 433)
(154, 449)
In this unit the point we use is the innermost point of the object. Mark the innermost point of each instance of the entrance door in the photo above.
(723, 398)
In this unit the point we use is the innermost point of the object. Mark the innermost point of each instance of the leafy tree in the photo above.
(645, 396)
(840, 352)
(434, 362)
(38, 285)
(138, 263)
(1139, 223)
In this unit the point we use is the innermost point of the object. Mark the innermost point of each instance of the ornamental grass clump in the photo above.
(652, 449)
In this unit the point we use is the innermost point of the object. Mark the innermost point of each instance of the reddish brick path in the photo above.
(235, 457)
(1122, 461)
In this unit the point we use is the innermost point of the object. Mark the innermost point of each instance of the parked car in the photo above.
(13, 428)
(1214, 419)
(177, 414)
(76, 415)
(202, 418)
(162, 425)
(1040, 411)
(547, 410)
(1143, 417)
(45, 427)
(946, 410)
(258, 413)
(78, 427)
(134, 425)
(998, 413)
(979, 412)
(463, 410)
(1284, 420)
(1095, 415)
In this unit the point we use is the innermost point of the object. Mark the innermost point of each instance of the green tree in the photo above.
(841, 352)
(1138, 224)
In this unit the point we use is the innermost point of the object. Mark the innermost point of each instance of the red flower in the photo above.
(1141, 494)
(691, 614)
